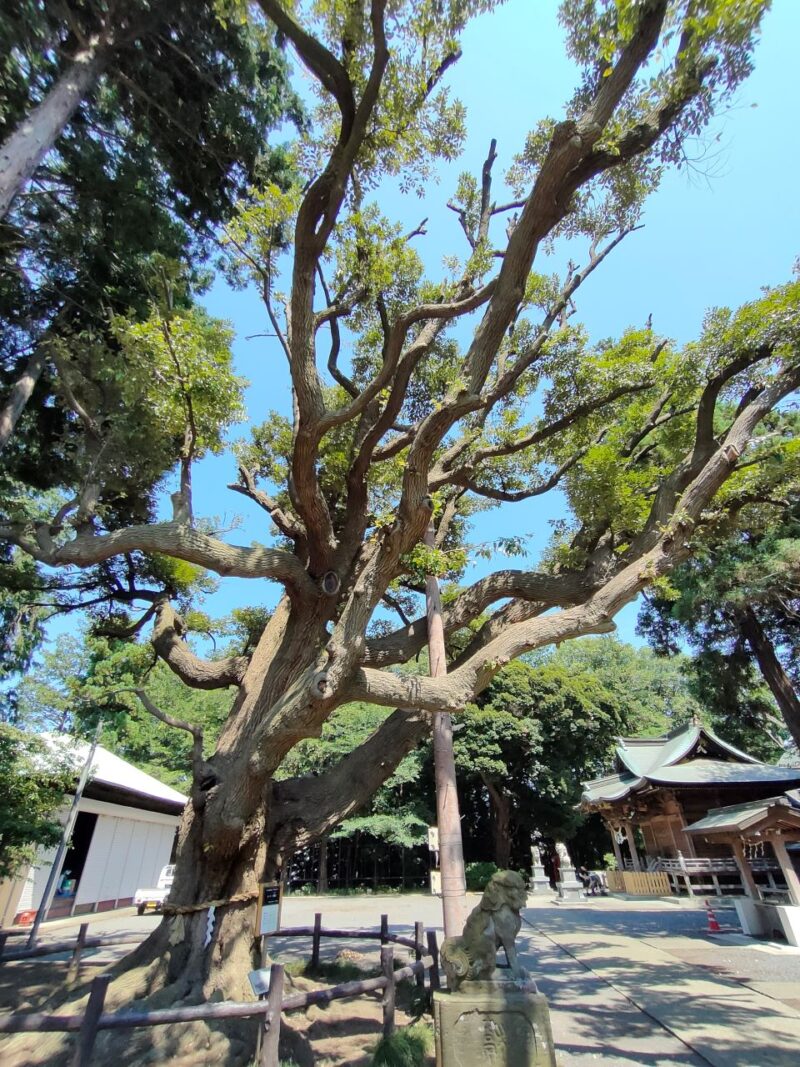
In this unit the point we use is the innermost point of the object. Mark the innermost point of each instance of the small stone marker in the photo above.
(493, 1024)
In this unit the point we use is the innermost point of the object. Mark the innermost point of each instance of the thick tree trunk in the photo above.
(223, 841)
(501, 823)
(30, 142)
(20, 395)
(241, 826)
(771, 668)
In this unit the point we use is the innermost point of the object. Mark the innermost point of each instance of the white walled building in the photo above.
(124, 834)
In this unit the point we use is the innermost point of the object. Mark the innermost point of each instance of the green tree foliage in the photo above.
(400, 811)
(536, 734)
(419, 395)
(152, 160)
(105, 246)
(653, 691)
(33, 781)
(80, 681)
(736, 602)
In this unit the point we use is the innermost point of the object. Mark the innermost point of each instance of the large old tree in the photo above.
(416, 400)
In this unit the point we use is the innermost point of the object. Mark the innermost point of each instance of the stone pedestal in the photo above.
(570, 890)
(540, 883)
(493, 1024)
(760, 919)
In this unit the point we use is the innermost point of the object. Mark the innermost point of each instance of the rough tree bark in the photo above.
(775, 676)
(23, 151)
(20, 394)
(500, 804)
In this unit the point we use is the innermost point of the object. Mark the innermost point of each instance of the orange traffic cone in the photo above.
(713, 925)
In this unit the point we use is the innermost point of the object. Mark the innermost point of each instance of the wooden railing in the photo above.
(639, 883)
(697, 876)
(93, 1019)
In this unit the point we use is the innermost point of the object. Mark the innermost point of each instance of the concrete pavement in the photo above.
(720, 1020)
(618, 995)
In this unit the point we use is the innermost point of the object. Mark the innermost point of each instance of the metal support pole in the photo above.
(451, 852)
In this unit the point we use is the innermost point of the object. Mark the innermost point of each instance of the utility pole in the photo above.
(69, 826)
(448, 818)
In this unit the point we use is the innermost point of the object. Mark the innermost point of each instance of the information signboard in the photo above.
(259, 981)
(269, 908)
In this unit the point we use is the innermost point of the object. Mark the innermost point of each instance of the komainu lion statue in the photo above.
(495, 922)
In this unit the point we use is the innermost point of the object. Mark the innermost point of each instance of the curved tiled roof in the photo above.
(721, 772)
(736, 818)
(642, 755)
(668, 761)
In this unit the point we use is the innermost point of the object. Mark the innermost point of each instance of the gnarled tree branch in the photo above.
(193, 670)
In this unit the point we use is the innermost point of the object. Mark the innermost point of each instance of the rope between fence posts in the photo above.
(186, 909)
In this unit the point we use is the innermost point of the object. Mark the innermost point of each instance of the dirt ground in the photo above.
(343, 1034)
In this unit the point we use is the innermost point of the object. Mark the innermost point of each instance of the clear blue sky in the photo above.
(714, 234)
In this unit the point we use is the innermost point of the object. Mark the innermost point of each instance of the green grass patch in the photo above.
(409, 1047)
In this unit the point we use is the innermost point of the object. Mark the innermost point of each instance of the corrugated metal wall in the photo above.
(125, 855)
(128, 849)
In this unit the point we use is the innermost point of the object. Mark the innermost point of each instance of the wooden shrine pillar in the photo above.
(787, 867)
(745, 871)
(615, 846)
(632, 846)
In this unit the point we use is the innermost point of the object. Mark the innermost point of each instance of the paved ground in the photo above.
(630, 982)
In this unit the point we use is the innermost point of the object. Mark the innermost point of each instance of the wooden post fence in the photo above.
(75, 962)
(267, 1012)
(272, 1024)
(88, 1030)
(315, 945)
(433, 952)
(418, 952)
(387, 966)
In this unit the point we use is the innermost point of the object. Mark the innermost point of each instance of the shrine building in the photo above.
(656, 806)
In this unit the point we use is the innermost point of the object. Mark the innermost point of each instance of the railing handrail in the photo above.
(50, 948)
(725, 864)
(22, 1022)
(356, 935)
(272, 1008)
